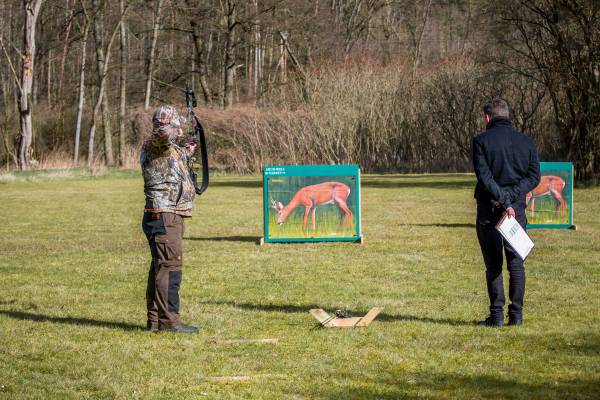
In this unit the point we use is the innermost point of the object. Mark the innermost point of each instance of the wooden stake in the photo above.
(243, 341)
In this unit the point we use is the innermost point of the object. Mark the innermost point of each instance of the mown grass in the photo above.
(73, 263)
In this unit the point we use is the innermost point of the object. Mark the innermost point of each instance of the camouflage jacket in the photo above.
(167, 183)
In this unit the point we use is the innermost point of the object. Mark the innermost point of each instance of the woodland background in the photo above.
(394, 85)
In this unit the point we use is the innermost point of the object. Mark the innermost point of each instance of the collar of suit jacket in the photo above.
(498, 121)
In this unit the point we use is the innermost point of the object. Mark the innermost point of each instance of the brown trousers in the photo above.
(164, 232)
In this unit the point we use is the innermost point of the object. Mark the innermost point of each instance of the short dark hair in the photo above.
(496, 107)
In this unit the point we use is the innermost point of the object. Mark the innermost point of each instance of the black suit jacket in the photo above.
(506, 164)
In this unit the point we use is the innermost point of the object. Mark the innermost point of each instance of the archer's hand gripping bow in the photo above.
(197, 136)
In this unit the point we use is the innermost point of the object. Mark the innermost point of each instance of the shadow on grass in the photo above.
(241, 183)
(301, 309)
(583, 344)
(452, 225)
(251, 239)
(72, 321)
(450, 385)
(439, 182)
(589, 347)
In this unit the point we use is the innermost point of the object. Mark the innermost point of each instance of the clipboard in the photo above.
(515, 235)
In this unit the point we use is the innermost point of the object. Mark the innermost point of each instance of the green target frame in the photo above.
(550, 204)
(311, 203)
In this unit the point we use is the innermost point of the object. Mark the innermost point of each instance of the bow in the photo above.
(197, 136)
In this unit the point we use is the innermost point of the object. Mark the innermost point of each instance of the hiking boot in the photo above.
(179, 328)
(491, 322)
(515, 320)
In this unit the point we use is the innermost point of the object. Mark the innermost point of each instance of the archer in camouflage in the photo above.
(168, 185)
(170, 194)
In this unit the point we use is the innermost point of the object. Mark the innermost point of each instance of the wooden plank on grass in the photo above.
(367, 319)
(243, 341)
(345, 322)
(332, 322)
(321, 316)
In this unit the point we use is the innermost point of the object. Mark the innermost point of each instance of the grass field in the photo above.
(73, 263)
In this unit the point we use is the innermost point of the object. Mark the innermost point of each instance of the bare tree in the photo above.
(258, 53)
(102, 56)
(230, 13)
(152, 54)
(201, 53)
(32, 11)
(297, 65)
(417, 26)
(559, 45)
(68, 26)
(123, 84)
(101, 101)
(357, 18)
(81, 101)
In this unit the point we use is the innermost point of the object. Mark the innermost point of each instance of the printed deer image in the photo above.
(552, 185)
(312, 196)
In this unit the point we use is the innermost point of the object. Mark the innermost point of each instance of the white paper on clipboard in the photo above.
(515, 235)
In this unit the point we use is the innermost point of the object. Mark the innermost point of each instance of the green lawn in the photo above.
(73, 263)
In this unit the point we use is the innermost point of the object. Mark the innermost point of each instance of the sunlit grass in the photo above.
(73, 262)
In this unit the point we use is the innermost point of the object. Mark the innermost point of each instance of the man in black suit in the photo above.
(507, 167)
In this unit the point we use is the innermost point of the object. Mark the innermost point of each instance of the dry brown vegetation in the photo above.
(381, 118)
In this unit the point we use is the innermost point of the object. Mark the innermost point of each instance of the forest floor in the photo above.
(74, 263)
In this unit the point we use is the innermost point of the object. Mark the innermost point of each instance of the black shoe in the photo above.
(492, 322)
(179, 328)
(514, 320)
(152, 327)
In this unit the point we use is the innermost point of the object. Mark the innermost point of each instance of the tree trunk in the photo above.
(152, 55)
(4, 94)
(69, 23)
(257, 53)
(6, 99)
(101, 101)
(86, 31)
(297, 65)
(282, 62)
(14, 83)
(200, 52)
(229, 69)
(123, 86)
(419, 41)
(49, 79)
(249, 69)
(101, 63)
(32, 11)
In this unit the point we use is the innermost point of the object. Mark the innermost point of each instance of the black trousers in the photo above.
(492, 246)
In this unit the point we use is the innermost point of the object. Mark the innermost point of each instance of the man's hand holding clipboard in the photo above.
(514, 234)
